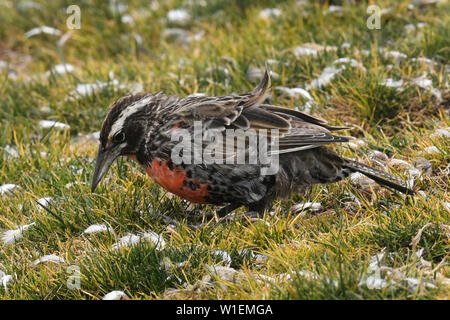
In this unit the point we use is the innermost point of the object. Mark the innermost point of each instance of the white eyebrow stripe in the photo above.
(128, 111)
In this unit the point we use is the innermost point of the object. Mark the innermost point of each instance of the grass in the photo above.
(326, 254)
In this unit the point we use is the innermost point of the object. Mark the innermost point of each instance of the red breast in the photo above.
(175, 180)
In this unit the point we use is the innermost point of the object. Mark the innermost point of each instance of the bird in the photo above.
(142, 127)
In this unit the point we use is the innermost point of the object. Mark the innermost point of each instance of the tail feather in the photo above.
(258, 95)
(379, 176)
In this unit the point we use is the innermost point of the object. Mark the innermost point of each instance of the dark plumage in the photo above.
(141, 127)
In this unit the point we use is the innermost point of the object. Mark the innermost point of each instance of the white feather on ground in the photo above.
(224, 255)
(47, 124)
(441, 132)
(427, 84)
(433, 150)
(43, 29)
(269, 13)
(48, 258)
(5, 280)
(325, 77)
(60, 69)
(178, 16)
(11, 236)
(115, 295)
(391, 83)
(130, 240)
(7, 188)
(11, 152)
(44, 202)
(96, 228)
(294, 92)
(352, 62)
(312, 206)
(378, 276)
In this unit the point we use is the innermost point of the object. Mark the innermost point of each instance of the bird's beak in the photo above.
(105, 158)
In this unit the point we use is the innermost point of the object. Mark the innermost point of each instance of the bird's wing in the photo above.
(306, 131)
(232, 111)
(296, 130)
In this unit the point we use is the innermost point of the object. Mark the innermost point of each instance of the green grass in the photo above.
(335, 245)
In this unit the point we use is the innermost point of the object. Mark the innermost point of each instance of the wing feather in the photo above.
(298, 130)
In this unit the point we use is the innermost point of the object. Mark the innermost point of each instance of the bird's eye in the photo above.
(119, 137)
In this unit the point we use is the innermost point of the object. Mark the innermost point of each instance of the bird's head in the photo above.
(122, 133)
